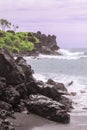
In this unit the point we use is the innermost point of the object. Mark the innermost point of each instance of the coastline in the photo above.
(34, 122)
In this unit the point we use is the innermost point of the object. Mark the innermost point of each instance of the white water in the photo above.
(79, 86)
(65, 54)
(70, 66)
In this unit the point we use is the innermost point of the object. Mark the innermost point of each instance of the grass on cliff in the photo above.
(16, 42)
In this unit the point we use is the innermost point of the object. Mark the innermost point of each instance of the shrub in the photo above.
(2, 43)
(27, 45)
(8, 41)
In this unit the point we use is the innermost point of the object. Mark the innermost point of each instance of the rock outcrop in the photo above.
(19, 91)
(48, 108)
(47, 44)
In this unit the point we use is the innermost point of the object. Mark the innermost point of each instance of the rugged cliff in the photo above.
(29, 43)
(47, 44)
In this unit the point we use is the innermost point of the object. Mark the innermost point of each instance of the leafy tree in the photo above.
(4, 23)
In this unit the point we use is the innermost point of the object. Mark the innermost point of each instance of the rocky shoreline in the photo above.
(46, 45)
(20, 91)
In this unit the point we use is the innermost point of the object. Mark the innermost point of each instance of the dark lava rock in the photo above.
(47, 44)
(6, 125)
(2, 87)
(21, 88)
(5, 106)
(26, 69)
(17, 85)
(59, 86)
(9, 69)
(51, 92)
(33, 88)
(12, 96)
(48, 108)
(67, 102)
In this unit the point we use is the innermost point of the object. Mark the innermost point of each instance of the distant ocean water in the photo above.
(71, 66)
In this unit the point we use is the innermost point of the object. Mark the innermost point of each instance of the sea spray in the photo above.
(70, 66)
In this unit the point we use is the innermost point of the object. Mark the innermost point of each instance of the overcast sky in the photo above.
(67, 19)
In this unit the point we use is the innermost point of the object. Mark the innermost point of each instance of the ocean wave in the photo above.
(79, 86)
(79, 83)
(65, 54)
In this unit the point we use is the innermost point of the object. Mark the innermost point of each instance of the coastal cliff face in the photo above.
(20, 91)
(47, 44)
(29, 43)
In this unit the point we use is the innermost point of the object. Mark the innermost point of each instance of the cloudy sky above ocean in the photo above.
(67, 19)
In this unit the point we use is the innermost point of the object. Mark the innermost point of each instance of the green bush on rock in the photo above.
(16, 42)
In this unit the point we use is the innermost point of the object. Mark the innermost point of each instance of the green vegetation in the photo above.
(18, 42)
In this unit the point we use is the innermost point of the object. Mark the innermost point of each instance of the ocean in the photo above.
(71, 66)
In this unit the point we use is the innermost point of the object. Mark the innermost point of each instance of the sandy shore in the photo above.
(34, 122)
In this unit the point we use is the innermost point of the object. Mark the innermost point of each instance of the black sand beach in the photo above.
(34, 122)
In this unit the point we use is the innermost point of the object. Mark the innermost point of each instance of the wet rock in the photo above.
(69, 84)
(66, 102)
(83, 91)
(51, 92)
(33, 88)
(48, 108)
(72, 93)
(84, 108)
(59, 86)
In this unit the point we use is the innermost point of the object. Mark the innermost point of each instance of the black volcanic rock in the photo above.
(48, 108)
(12, 96)
(59, 86)
(25, 69)
(17, 84)
(47, 44)
(9, 69)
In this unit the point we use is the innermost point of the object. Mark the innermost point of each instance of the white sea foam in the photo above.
(68, 53)
(78, 74)
(65, 54)
(79, 86)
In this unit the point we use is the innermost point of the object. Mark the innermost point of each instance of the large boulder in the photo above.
(51, 92)
(59, 86)
(9, 69)
(48, 108)
(27, 71)
(67, 102)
